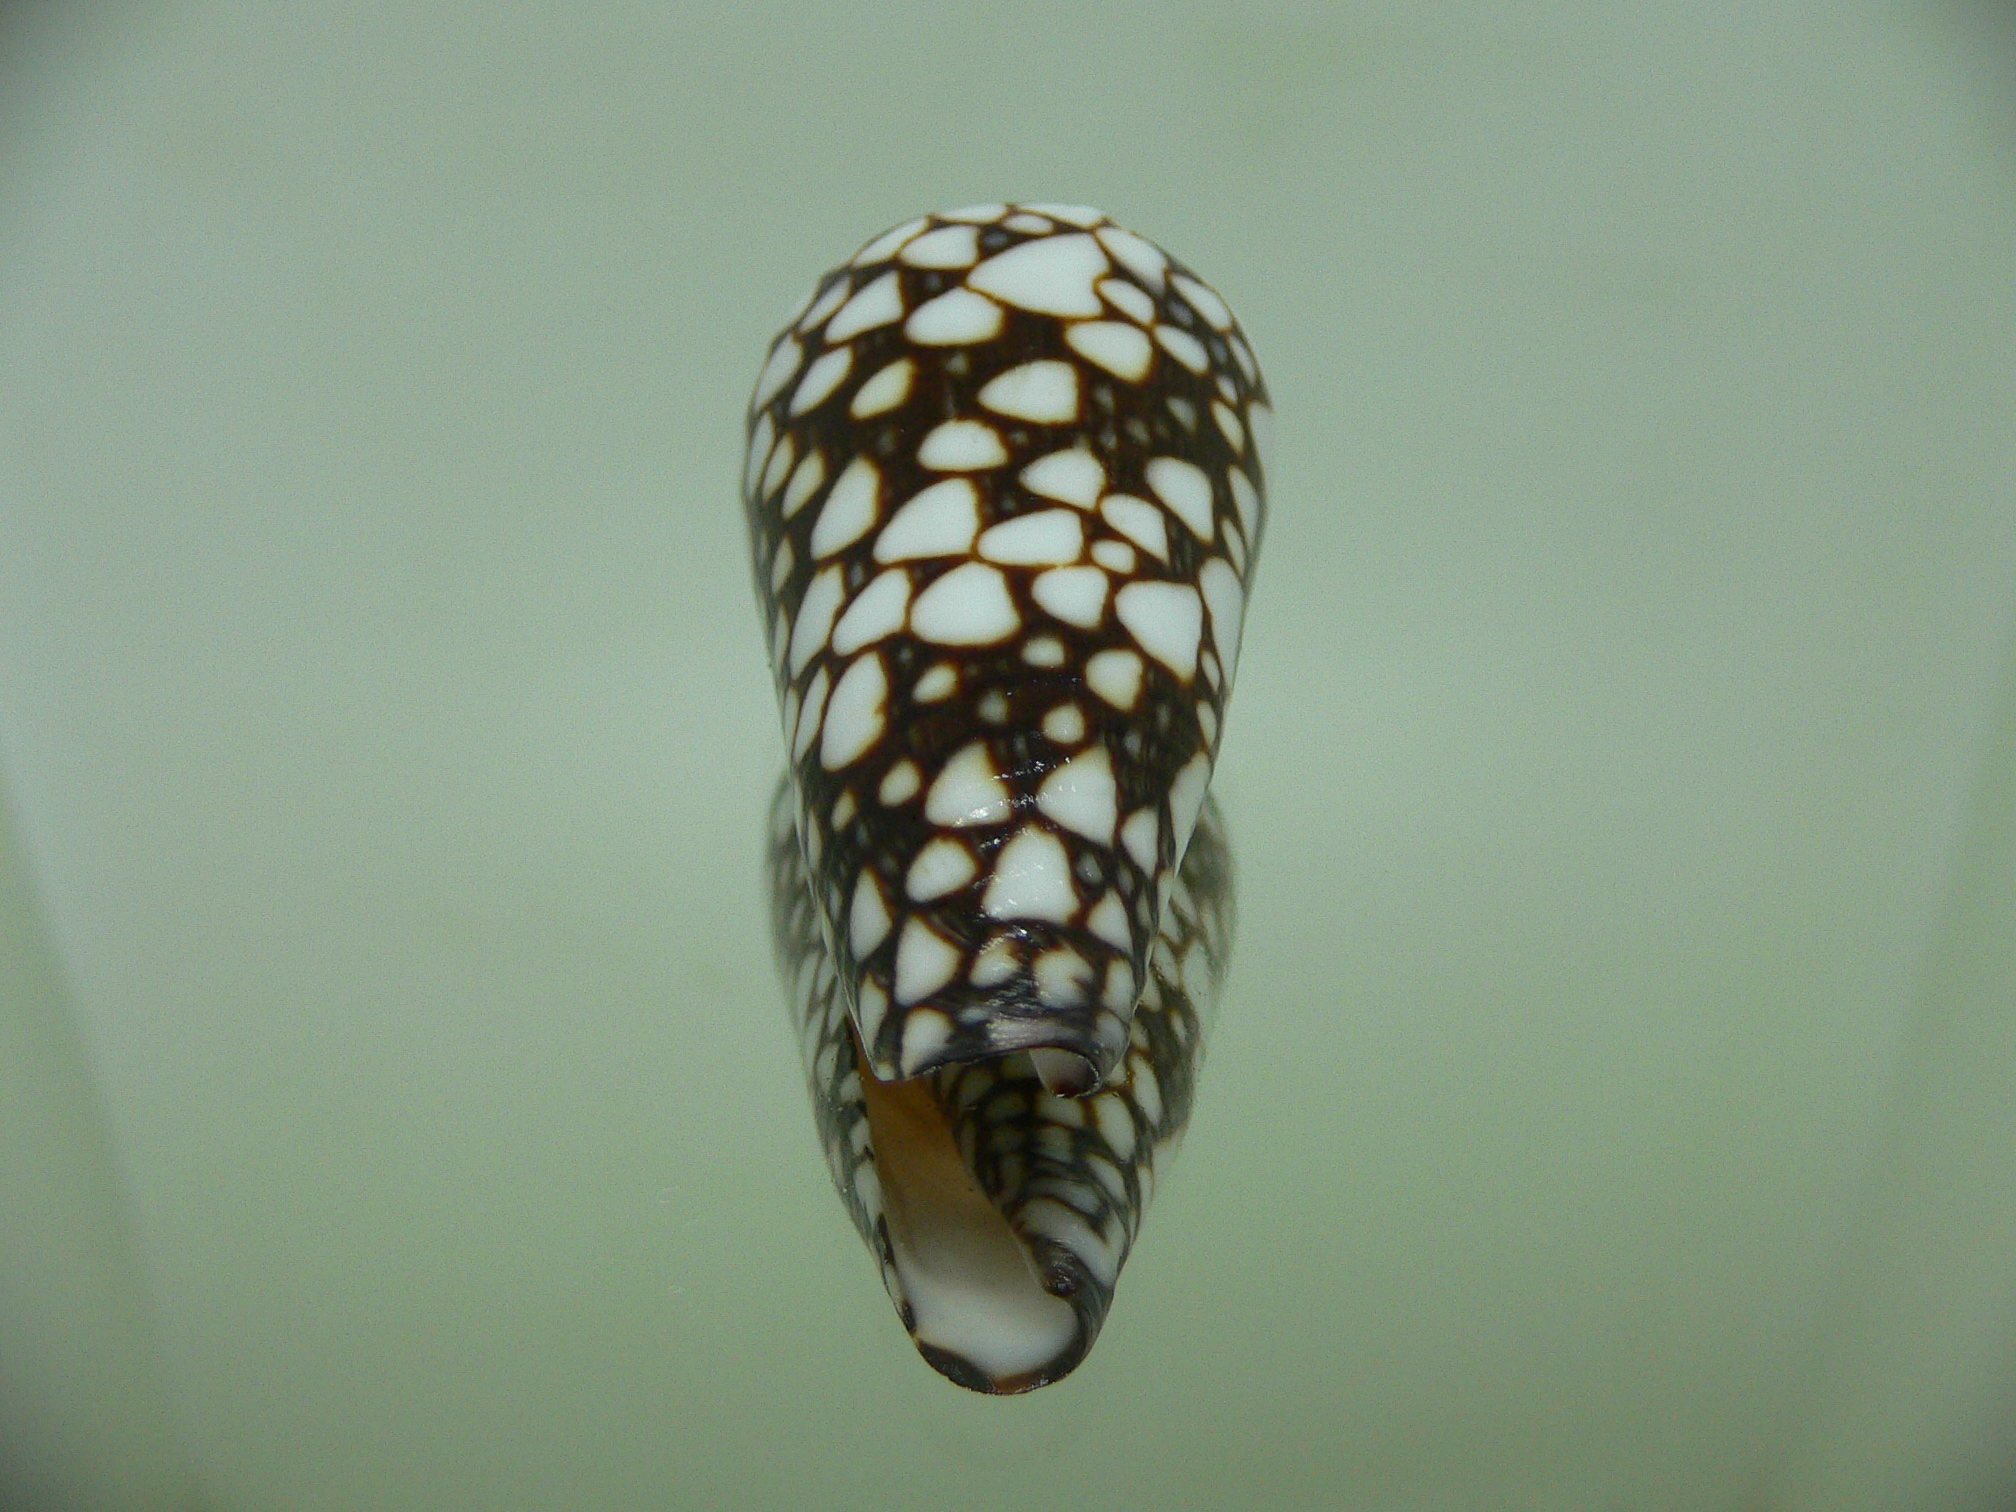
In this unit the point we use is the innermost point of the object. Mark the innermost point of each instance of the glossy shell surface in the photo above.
(1005, 490)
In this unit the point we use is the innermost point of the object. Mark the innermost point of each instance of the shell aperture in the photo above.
(1005, 498)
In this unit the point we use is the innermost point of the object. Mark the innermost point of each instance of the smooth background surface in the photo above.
(1606, 1100)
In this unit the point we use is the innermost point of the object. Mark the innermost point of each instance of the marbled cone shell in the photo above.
(1005, 498)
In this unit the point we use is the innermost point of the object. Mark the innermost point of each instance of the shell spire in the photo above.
(999, 1212)
(1005, 497)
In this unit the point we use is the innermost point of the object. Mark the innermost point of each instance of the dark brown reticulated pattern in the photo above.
(1005, 496)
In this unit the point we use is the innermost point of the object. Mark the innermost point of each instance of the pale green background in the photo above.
(1612, 1105)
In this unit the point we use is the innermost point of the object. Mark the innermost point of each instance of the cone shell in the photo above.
(1005, 494)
